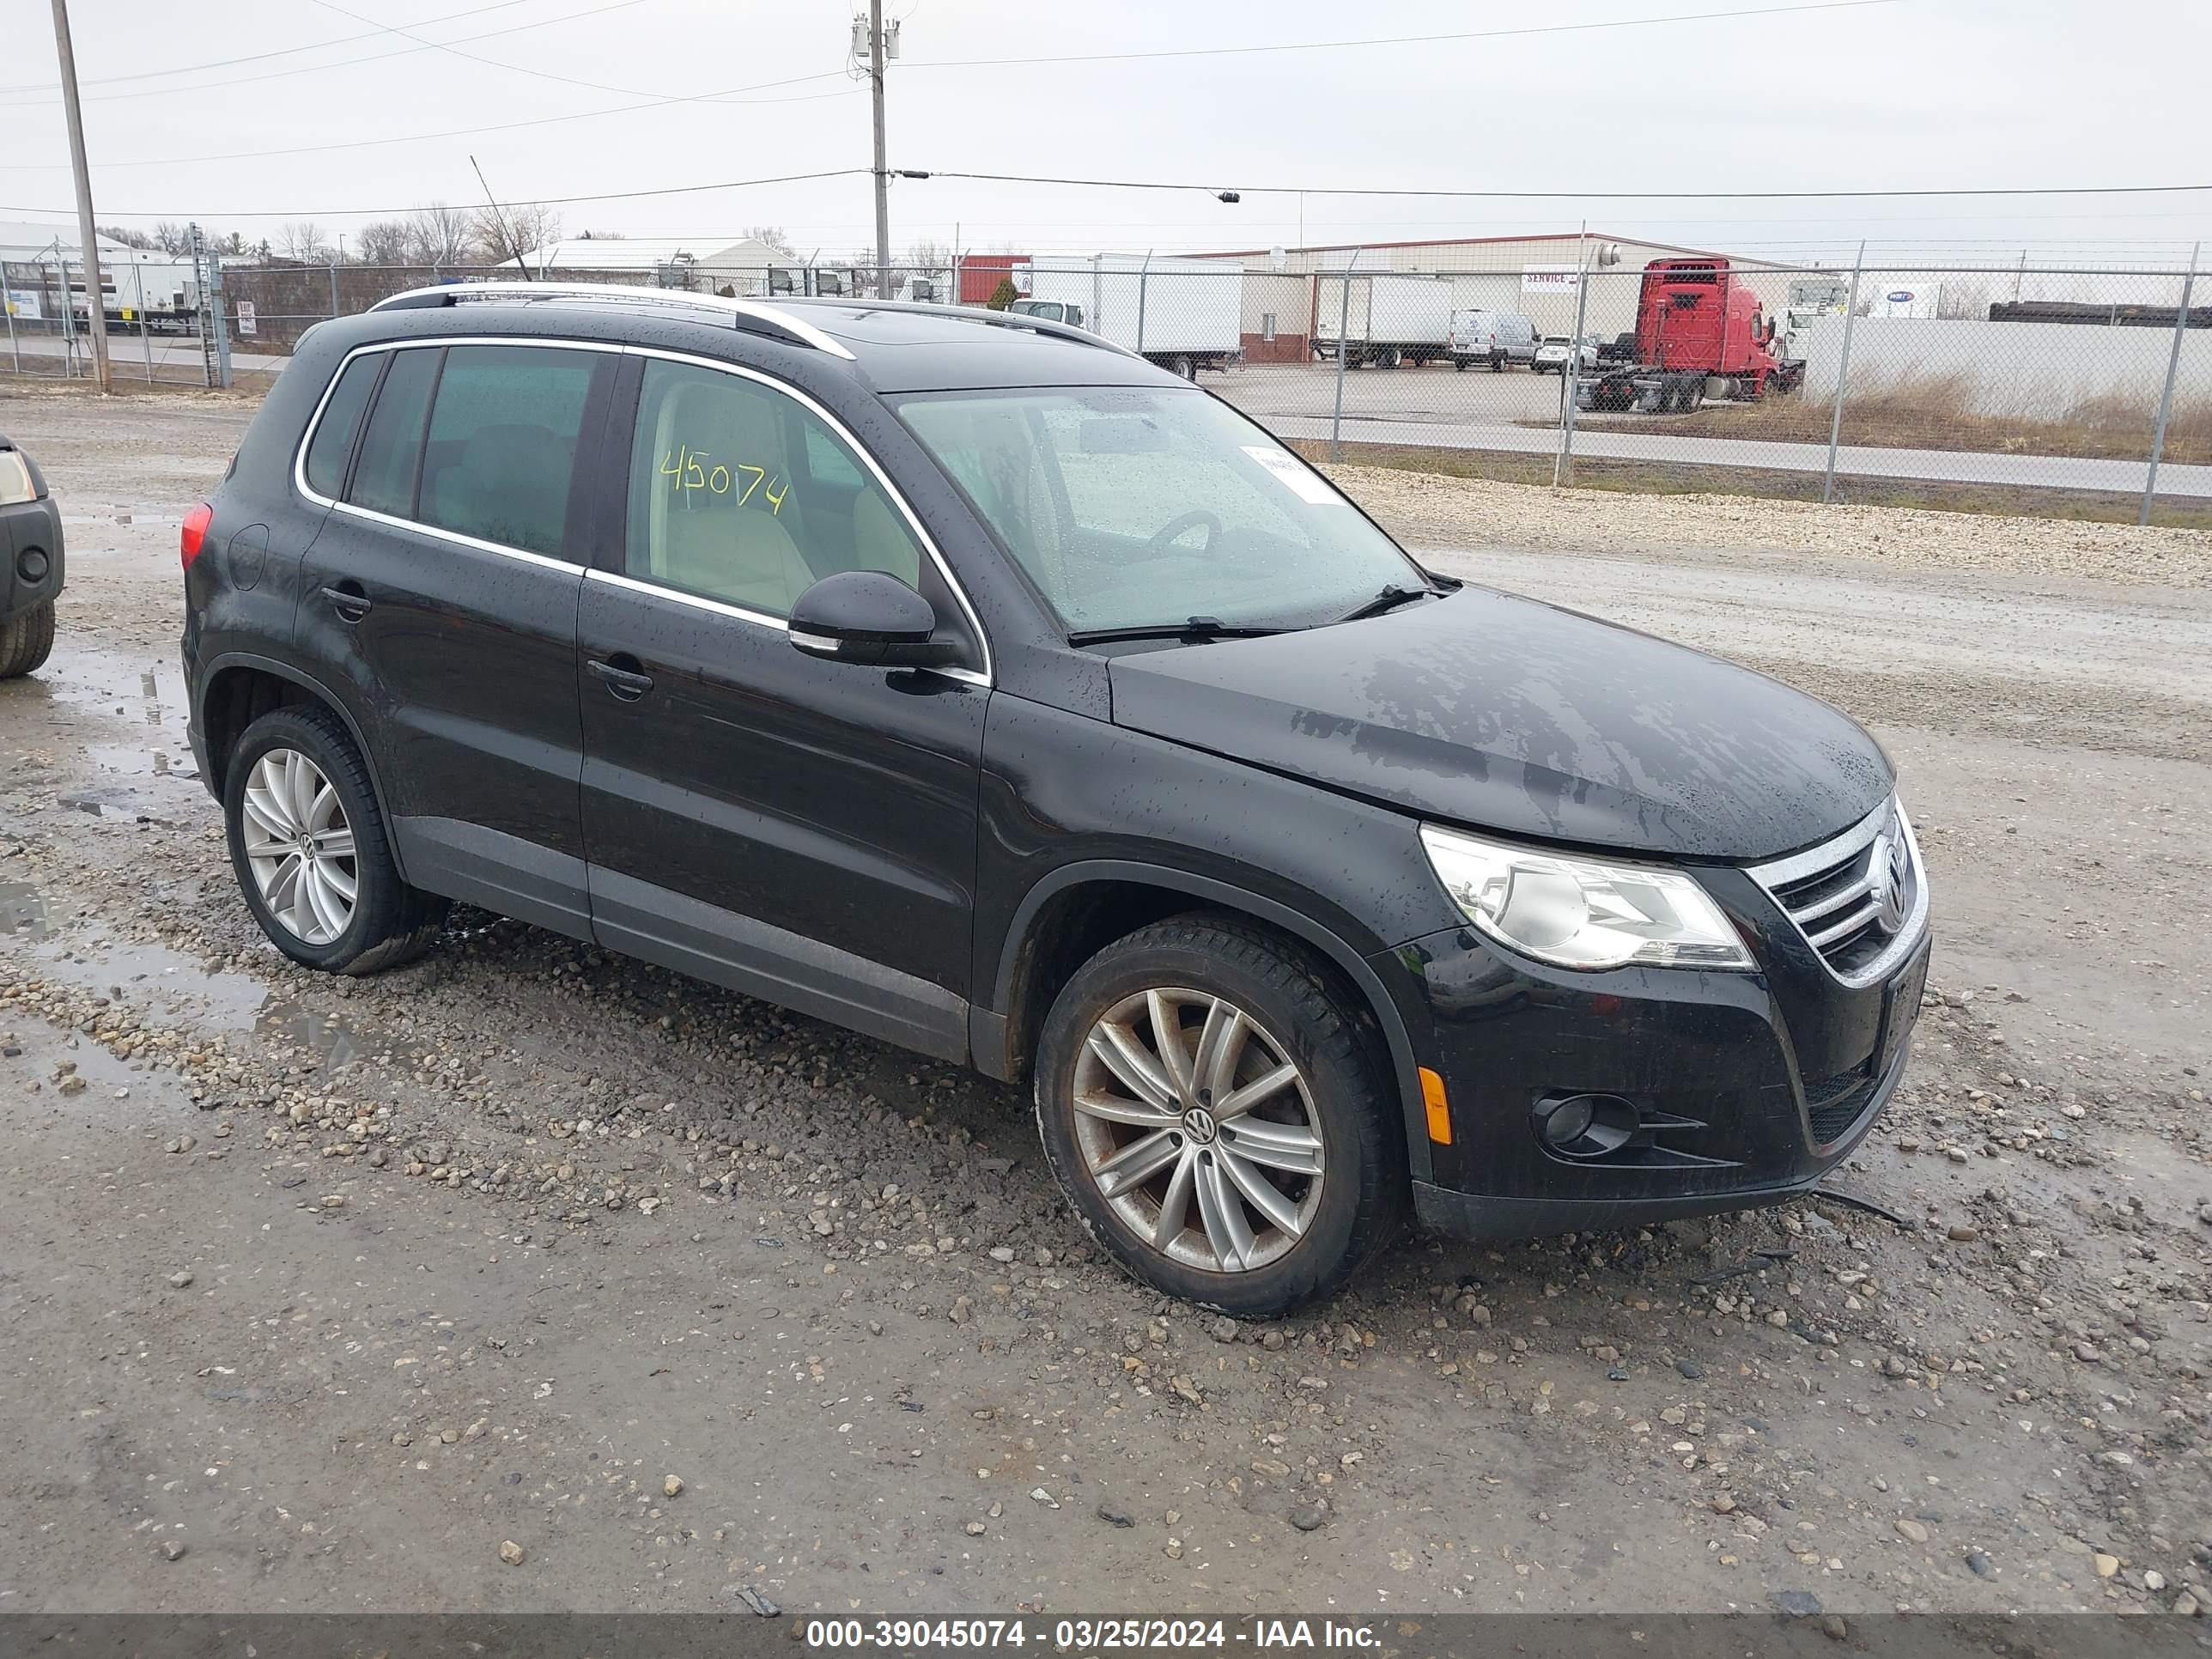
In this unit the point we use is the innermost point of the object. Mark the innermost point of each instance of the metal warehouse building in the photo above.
(1532, 275)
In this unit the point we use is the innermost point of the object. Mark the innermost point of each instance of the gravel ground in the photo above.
(528, 1276)
(1435, 511)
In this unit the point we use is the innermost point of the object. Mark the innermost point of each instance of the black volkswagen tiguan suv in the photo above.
(965, 680)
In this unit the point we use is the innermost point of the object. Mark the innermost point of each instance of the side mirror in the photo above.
(865, 617)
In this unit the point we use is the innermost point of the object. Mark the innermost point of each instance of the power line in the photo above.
(1403, 39)
(258, 56)
(1194, 52)
(1567, 195)
(725, 95)
(1158, 185)
(474, 58)
(525, 201)
(378, 57)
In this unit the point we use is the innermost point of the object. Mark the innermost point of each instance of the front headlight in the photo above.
(14, 480)
(1583, 912)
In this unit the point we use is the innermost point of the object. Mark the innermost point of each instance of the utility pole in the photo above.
(95, 308)
(878, 46)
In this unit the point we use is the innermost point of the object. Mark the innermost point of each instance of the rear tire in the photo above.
(1272, 1203)
(274, 836)
(27, 639)
(1182, 368)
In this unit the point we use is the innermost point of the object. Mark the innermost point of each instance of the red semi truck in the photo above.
(1700, 332)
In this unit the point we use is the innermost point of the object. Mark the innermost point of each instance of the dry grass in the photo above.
(1661, 478)
(1938, 411)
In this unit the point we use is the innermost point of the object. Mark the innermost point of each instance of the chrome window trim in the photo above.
(1780, 873)
(740, 613)
(874, 469)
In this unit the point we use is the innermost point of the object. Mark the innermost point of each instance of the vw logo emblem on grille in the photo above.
(1198, 1124)
(1890, 870)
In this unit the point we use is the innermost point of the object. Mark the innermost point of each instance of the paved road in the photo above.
(1944, 465)
(1442, 410)
(1513, 412)
(175, 356)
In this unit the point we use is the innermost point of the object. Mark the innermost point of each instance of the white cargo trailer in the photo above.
(1386, 319)
(1183, 315)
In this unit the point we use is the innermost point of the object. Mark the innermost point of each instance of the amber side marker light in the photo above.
(1433, 1096)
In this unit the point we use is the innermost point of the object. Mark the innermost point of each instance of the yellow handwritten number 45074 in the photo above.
(688, 469)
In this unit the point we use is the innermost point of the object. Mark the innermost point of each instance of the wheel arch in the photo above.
(239, 687)
(1073, 912)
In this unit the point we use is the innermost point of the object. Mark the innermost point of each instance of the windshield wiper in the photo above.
(1395, 594)
(1196, 629)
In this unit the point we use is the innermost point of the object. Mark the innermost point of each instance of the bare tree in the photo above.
(302, 240)
(778, 243)
(603, 235)
(175, 239)
(929, 257)
(383, 242)
(498, 236)
(437, 235)
(129, 238)
(1963, 299)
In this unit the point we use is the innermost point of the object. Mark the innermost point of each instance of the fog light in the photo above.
(33, 565)
(1586, 1126)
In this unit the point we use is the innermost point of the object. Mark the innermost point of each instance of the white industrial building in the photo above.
(674, 261)
(1536, 276)
(33, 252)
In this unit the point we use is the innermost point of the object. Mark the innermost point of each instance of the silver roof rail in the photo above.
(978, 314)
(747, 314)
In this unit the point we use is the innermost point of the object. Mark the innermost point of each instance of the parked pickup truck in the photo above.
(1552, 354)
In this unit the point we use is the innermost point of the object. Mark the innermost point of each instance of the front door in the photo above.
(439, 602)
(799, 829)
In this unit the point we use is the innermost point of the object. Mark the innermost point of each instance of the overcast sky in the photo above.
(1910, 94)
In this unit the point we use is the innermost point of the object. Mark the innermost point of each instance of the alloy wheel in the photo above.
(1198, 1130)
(300, 847)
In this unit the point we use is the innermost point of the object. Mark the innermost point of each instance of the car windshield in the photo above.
(1135, 508)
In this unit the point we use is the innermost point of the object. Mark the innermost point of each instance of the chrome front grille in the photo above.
(1860, 900)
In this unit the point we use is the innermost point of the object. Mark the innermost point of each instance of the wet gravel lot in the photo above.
(527, 1276)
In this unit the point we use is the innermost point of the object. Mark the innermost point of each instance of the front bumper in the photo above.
(32, 528)
(1746, 1087)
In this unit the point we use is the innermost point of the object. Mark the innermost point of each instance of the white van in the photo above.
(1495, 338)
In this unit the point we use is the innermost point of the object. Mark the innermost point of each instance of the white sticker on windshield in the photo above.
(1302, 481)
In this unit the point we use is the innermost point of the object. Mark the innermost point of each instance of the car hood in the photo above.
(1501, 712)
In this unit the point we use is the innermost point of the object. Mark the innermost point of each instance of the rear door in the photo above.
(440, 604)
(802, 830)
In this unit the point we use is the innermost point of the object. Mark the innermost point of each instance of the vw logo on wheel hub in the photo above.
(1198, 1123)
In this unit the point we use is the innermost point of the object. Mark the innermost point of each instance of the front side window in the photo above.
(501, 455)
(1143, 507)
(739, 492)
(333, 440)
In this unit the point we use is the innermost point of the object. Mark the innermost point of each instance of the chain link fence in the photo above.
(2047, 388)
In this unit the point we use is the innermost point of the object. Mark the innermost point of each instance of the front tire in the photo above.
(27, 639)
(308, 845)
(1213, 1107)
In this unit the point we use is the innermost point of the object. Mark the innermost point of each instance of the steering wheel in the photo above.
(1158, 547)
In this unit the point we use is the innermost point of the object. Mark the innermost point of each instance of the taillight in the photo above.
(195, 532)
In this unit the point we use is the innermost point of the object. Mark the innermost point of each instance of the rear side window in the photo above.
(333, 440)
(501, 451)
(391, 447)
